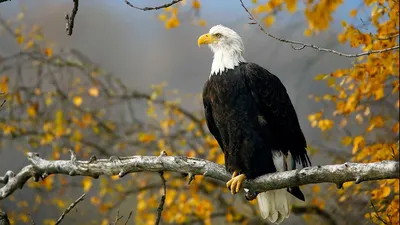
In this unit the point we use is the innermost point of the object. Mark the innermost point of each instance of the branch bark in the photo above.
(338, 174)
(155, 7)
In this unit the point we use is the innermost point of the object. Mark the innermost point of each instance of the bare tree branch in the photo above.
(117, 218)
(32, 221)
(153, 8)
(70, 20)
(302, 45)
(70, 208)
(338, 174)
(129, 216)
(162, 201)
(4, 219)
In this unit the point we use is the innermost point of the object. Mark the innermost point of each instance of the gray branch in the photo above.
(338, 174)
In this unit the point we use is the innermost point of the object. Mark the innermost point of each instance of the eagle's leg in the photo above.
(235, 183)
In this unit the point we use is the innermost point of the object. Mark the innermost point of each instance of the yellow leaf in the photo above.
(321, 77)
(48, 52)
(202, 23)
(353, 12)
(20, 39)
(395, 128)
(77, 100)
(60, 203)
(220, 158)
(331, 81)
(291, 5)
(28, 45)
(146, 138)
(379, 93)
(358, 142)
(347, 140)
(269, 20)
(104, 222)
(172, 23)
(95, 200)
(48, 100)
(32, 110)
(4, 84)
(347, 184)
(307, 32)
(93, 91)
(49, 222)
(162, 17)
(316, 188)
(229, 217)
(196, 4)
(325, 124)
(86, 183)
(38, 199)
(191, 126)
(385, 191)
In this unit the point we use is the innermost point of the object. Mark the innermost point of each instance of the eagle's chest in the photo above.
(226, 89)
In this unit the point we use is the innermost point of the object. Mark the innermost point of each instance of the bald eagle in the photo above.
(249, 112)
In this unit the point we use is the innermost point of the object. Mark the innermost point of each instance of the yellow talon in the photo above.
(228, 184)
(235, 183)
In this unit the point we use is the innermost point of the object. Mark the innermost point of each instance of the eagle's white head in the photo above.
(227, 46)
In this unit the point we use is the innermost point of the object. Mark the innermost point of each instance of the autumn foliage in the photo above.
(59, 102)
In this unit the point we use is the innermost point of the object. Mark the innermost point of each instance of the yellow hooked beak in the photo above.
(206, 39)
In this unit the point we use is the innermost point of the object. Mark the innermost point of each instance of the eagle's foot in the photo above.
(235, 183)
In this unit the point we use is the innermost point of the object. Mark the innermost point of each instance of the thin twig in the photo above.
(117, 218)
(69, 20)
(376, 214)
(162, 201)
(129, 216)
(32, 221)
(303, 45)
(70, 208)
(153, 8)
(387, 38)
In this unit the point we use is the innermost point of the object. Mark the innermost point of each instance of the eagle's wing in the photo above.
(209, 117)
(274, 103)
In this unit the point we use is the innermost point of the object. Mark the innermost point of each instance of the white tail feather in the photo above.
(274, 205)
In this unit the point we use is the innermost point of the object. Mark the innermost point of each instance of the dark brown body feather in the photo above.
(250, 114)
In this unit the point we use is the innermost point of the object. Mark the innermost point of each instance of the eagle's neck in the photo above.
(224, 60)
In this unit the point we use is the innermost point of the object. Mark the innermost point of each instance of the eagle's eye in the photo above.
(218, 35)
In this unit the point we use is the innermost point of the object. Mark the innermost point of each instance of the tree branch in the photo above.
(155, 7)
(338, 174)
(302, 45)
(164, 194)
(70, 20)
(4, 219)
(70, 208)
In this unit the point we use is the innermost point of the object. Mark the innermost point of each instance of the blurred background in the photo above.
(124, 84)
